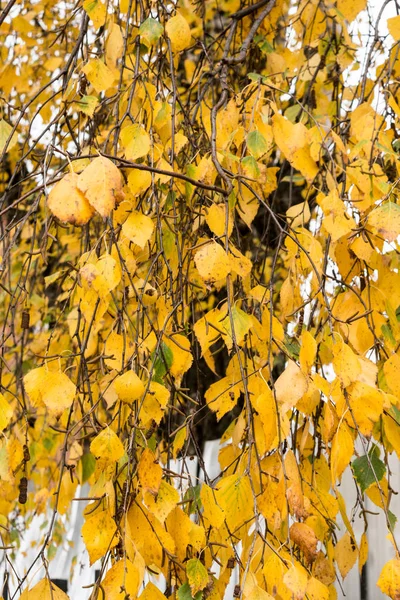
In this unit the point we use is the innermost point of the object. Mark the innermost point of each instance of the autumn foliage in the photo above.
(199, 238)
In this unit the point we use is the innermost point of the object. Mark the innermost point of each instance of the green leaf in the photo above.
(184, 593)
(368, 469)
(192, 497)
(257, 144)
(162, 362)
(392, 519)
(150, 32)
(88, 466)
(292, 347)
(87, 105)
(197, 575)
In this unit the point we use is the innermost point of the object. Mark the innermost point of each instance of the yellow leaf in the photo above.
(114, 45)
(294, 493)
(121, 580)
(33, 383)
(292, 140)
(240, 264)
(178, 31)
(182, 356)
(389, 579)
(341, 452)
(258, 593)
(197, 575)
(392, 430)
(151, 592)
(345, 363)
(101, 182)
(237, 324)
(68, 203)
(110, 270)
(6, 413)
(44, 590)
(391, 369)
(308, 352)
(115, 349)
(235, 497)
(212, 262)
(350, 9)
(219, 219)
(96, 11)
(136, 141)
(222, 396)
(212, 512)
(385, 221)
(5, 132)
(54, 389)
(363, 552)
(316, 590)
(138, 181)
(366, 403)
(290, 386)
(99, 533)
(107, 446)
(166, 499)
(296, 579)
(298, 215)
(149, 471)
(66, 493)
(336, 221)
(98, 74)
(393, 25)
(265, 406)
(138, 228)
(129, 387)
(149, 535)
(346, 554)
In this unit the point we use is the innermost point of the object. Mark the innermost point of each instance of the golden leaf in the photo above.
(296, 579)
(107, 446)
(6, 412)
(149, 471)
(121, 580)
(44, 590)
(346, 554)
(99, 533)
(151, 592)
(138, 228)
(212, 512)
(101, 182)
(393, 25)
(165, 501)
(178, 31)
(136, 141)
(290, 386)
(212, 262)
(389, 579)
(68, 203)
(235, 497)
(129, 387)
(96, 11)
(98, 74)
(341, 452)
(5, 132)
(52, 388)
